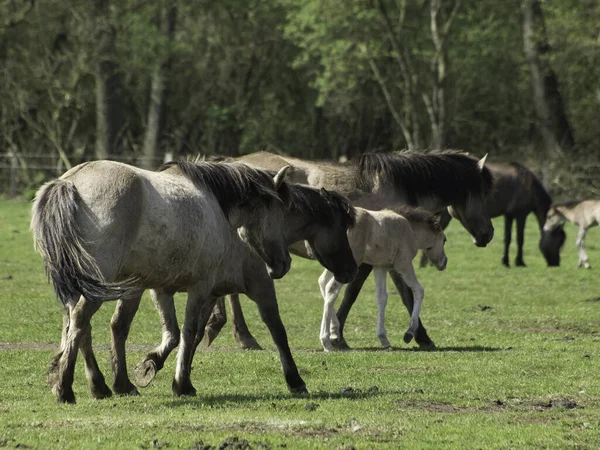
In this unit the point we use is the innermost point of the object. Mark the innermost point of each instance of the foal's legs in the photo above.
(406, 293)
(120, 325)
(521, 220)
(381, 295)
(408, 275)
(583, 257)
(330, 290)
(350, 295)
(261, 290)
(146, 370)
(63, 366)
(508, 220)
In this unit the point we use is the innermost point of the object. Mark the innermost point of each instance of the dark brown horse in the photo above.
(376, 181)
(517, 193)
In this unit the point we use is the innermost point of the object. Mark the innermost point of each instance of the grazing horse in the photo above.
(585, 215)
(319, 217)
(376, 181)
(107, 230)
(386, 239)
(516, 193)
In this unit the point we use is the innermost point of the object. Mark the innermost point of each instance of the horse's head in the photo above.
(473, 213)
(262, 226)
(328, 239)
(554, 219)
(435, 250)
(551, 243)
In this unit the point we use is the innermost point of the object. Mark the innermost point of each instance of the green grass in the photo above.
(501, 377)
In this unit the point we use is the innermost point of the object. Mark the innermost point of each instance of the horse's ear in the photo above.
(481, 162)
(280, 177)
(325, 193)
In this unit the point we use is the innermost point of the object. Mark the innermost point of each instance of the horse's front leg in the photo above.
(521, 221)
(330, 290)
(406, 293)
(262, 291)
(146, 370)
(63, 365)
(197, 311)
(241, 333)
(410, 278)
(381, 295)
(120, 325)
(583, 257)
(216, 322)
(508, 220)
(350, 295)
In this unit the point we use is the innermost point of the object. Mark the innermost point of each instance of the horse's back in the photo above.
(514, 192)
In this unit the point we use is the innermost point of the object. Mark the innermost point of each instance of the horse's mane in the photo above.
(233, 184)
(531, 181)
(451, 174)
(417, 214)
(321, 205)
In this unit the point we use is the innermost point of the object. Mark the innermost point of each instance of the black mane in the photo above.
(417, 214)
(233, 184)
(321, 205)
(453, 176)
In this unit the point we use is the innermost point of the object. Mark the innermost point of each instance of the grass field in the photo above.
(517, 364)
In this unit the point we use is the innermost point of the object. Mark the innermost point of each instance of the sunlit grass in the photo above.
(517, 365)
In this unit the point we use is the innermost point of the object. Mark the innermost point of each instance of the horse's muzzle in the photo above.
(280, 268)
(483, 239)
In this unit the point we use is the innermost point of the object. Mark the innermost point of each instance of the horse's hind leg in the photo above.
(381, 295)
(52, 373)
(583, 257)
(406, 293)
(262, 291)
(508, 220)
(241, 333)
(120, 325)
(521, 220)
(79, 325)
(216, 322)
(146, 370)
(350, 295)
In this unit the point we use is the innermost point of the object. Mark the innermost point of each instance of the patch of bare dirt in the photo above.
(445, 407)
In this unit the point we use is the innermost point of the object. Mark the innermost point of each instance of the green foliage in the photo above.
(516, 365)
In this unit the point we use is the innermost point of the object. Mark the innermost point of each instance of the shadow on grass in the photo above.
(465, 349)
(208, 401)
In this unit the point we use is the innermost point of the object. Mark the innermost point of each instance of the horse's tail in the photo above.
(58, 239)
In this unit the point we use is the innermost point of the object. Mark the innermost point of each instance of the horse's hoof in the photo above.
(66, 396)
(101, 391)
(145, 372)
(250, 345)
(427, 345)
(340, 344)
(300, 390)
(385, 343)
(505, 262)
(126, 389)
(520, 264)
(183, 390)
(408, 336)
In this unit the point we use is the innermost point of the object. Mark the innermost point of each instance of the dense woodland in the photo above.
(135, 79)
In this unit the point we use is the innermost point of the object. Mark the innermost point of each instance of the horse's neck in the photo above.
(572, 214)
(297, 226)
(423, 235)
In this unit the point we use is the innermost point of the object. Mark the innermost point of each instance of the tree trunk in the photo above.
(157, 111)
(549, 106)
(109, 109)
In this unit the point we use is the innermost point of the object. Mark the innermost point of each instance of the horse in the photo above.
(315, 216)
(386, 239)
(107, 230)
(585, 214)
(517, 193)
(376, 181)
